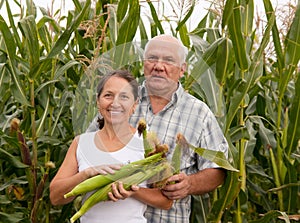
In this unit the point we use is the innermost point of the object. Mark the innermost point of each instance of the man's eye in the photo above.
(152, 58)
(169, 60)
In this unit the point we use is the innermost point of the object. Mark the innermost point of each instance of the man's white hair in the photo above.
(182, 50)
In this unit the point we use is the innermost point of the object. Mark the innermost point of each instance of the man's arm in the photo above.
(196, 184)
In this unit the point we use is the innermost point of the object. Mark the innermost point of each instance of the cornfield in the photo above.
(247, 74)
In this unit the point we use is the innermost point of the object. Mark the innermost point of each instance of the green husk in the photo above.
(102, 180)
(102, 194)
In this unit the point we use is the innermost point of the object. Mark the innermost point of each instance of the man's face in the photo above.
(162, 66)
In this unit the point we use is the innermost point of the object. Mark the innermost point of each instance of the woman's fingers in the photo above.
(118, 192)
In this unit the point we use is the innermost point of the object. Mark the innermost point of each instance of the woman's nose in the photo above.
(115, 102)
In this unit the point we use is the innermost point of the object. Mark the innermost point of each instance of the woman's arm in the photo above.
(67, 177)
(153, 197)
(150, 196)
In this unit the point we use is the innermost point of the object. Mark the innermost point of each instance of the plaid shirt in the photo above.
(191, 117)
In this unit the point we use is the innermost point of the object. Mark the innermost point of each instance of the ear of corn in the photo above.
(102, 180)
(142, 130)
(102, 194)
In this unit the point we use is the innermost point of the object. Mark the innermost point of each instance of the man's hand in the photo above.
(178, 186)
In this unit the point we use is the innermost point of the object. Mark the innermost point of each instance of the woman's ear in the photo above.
(134, 106)
(98, 103)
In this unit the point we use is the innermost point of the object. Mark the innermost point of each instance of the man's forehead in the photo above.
(165, 43)
(162, 48)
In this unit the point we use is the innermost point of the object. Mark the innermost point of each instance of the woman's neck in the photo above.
(117, 131)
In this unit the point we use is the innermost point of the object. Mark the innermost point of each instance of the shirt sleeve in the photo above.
(212, 139)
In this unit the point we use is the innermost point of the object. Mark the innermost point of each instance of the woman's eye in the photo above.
(124, 97)
(108, 95)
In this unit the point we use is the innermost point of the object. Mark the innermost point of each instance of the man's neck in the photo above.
(158, 103)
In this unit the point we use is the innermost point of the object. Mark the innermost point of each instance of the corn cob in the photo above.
(135, 179)
(142, 130)
(102, 180)
(176, 157)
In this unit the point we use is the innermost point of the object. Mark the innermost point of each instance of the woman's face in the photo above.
(116, 102)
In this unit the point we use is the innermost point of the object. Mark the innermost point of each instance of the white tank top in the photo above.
(129, 210)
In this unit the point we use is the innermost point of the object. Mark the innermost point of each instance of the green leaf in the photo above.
(228, 193)
(156, 23)
(122, 9)
(64, 38)
(11, 218)
(271, 215)
(130, 23)
(293, 135)
(224, 60)
(143, 33)
(13, 26)
(275, 35)
(237, 38)
(29, 31)
(187, 16)
(217, 157)
(183, 32)
(227, 13)
(126, 34)
(292, 52)
(11, 159)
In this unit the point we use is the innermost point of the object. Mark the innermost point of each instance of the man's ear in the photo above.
(183, 69)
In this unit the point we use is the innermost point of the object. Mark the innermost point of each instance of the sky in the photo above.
(200, 8)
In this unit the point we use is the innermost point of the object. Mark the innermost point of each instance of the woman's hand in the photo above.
(120, 193)
(102, 169)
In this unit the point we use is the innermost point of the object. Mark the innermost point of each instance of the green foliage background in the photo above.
(47, 79)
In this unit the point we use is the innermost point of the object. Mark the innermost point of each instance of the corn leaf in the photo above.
(293, 135)
(14, 161)
(64, 38)
(217, 157)
(271, 215)
(7, 36)
(183, 32)
(275, 35)
(237, 38)
(122, 9)
(224, 60)
(29, 30)
(292, 52)
(228, 193)
(156, 24)
(126, 34)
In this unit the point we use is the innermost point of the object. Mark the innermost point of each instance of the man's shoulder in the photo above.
(188, 98)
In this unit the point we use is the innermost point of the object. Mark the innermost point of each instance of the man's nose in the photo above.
(159, 65)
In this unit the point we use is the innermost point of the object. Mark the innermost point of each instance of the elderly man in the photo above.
(169, 110)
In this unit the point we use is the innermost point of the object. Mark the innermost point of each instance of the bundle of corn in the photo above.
(136, 178)
(102, 180)
(154, 166)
